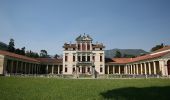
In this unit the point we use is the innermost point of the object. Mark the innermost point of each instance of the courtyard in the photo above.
(31, 88)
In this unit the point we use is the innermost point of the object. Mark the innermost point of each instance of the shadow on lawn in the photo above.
(133, 93)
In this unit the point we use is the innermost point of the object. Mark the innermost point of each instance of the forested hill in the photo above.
(136, 52)
(3, 46)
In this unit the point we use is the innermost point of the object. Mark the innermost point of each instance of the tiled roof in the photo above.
(162, 49)
(98, 46)
(50, 60)
(118, 60)
(13, 55)
(69, 45)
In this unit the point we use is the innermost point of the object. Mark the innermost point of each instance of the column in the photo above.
(21, 67)
(130, 69)
(58, 69)
(149, 68)
(145, 68)
(16, 67)
(141, 69)
(12, 63)
(137, 69)
(134, 69)
(52, 69)
(108, 69)
(154, 67)
(113, 69)
(119, 69)
(29, 65)
(47, 69)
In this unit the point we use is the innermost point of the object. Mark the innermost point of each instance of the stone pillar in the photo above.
(16, 67)
(154, 67)
(47, 69)
(58, 69)
(134, 69)
(29, 65)
(141, 69)
(145, 68)
(52, 69)
(130, 69)
(25, 68)
(108, 69)
(149, 68)
(12, 64)
(119, 69)
(21, 67)
(137, 69)
(113, 69)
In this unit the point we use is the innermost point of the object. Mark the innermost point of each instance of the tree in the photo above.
(23, 51)
(128, 56)
(18, 51)
(11, 46)
(56, 56)
(43, 53)
(118, 54)
(157, 47)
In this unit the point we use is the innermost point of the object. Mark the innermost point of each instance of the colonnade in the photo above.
(53, 69)
(138, 68)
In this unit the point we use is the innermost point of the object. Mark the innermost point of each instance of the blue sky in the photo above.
(48, 24)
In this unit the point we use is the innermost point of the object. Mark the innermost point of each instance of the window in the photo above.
(83, 58)
(66, 48)
(101, 69)
(79, 58)
(78, 46)
(74, 49)
(66, 58)
(83, 46)
(101, 58)
(88, 58)
(100, 48)
(73, 69)
(74, 58)
(88, 70)
(88, 46)
(65, 69)
(93, 58)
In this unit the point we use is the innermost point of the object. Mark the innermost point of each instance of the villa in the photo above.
(86, 58)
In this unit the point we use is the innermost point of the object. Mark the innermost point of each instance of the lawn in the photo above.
(18, 88)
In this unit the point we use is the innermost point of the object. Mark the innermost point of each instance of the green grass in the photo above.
(17, 88)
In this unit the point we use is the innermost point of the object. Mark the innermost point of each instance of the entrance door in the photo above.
(83, 69)
(168, 67)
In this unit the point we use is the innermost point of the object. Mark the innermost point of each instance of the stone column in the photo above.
(47, 69)
(21, 67)
(130, 69)
(137, 69)
(154, 67)
(16, 67)
(113, 69)
(58, 69)
(52, 69)
(119, 69)
(108, 69)
(145, 68)
(134, 69)
(149, 68)
(141, 68)
(12, 64)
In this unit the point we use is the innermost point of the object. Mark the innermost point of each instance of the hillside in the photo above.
(3, 46)
(136, 52)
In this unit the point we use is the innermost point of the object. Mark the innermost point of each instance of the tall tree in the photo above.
(157, 47)
(43, 53)
(118, 54)
(11, 46)
(23, 51)
(56, 56)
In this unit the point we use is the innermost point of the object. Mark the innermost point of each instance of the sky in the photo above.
(48, 24)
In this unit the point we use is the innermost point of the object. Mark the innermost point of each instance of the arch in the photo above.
(168, 66)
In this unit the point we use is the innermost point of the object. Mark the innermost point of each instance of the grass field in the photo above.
(17, 88)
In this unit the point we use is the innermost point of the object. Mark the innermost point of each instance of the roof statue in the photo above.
(84, 38)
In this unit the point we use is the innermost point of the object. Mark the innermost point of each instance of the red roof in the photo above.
(6, 53)
(50, 60)
(162, 49)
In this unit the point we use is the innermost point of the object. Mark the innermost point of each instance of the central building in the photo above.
(83, 57)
